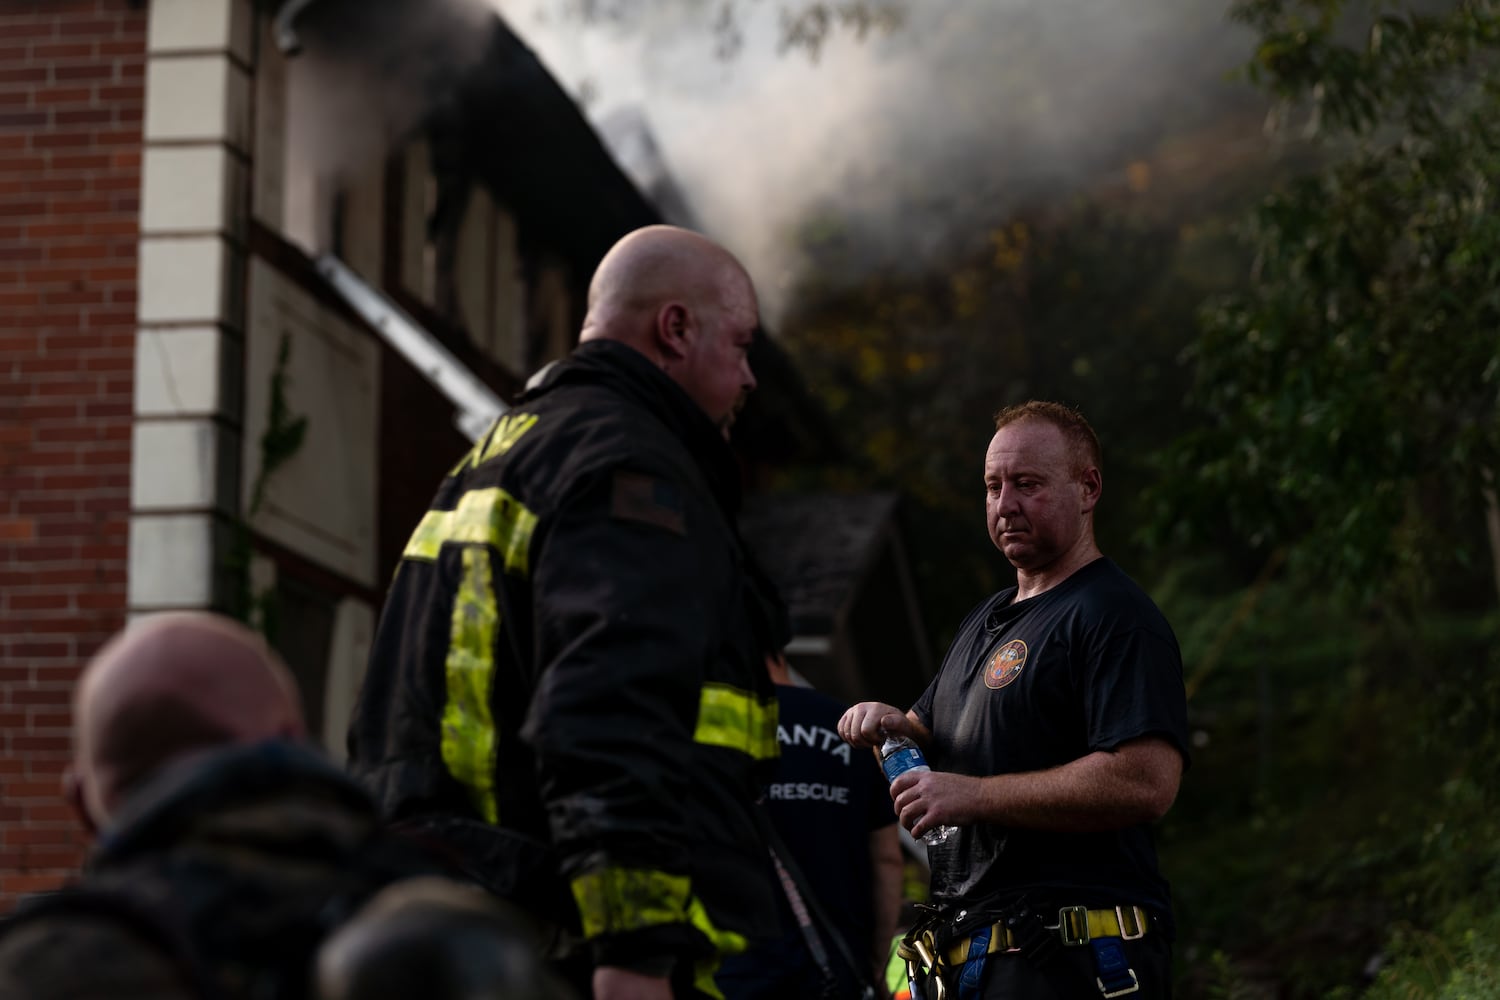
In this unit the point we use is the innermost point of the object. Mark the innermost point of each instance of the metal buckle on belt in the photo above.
(1135, 985)
(1068, 918)
(1135, 922)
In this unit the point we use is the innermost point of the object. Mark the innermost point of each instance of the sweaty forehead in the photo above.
(1027, 444)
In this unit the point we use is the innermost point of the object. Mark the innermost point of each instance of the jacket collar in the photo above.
(628, 372)
(186, 791)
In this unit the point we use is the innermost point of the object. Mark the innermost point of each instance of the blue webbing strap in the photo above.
(968, 980)
(1112, 967)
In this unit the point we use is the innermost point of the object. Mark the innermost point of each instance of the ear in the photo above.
(1092, 484)
(673, 331)
(72, 791)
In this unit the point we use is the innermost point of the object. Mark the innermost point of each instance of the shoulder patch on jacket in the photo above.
(637, 497)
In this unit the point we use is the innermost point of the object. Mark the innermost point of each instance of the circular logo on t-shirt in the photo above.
(1005, 666)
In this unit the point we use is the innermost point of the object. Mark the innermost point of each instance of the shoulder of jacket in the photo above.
(61, 942)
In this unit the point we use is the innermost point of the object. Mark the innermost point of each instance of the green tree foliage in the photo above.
(1341, 819)
(1346, 400)
(1339, 815)
(1086, 303)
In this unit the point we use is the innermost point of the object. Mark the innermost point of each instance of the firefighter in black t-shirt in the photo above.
(1056, 732)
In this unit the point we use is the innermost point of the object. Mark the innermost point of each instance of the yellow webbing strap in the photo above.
(703, 978)
(737, 720)
(1108, 923)
(468, 737)
(488, 516)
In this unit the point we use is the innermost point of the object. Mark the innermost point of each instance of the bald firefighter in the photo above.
(567, 685)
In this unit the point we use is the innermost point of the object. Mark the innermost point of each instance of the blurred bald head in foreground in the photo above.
(232, 845)
(437, 939)
(172, 685)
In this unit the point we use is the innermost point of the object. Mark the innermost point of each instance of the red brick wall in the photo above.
(72, 81)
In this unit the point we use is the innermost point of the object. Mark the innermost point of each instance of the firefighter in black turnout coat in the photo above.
(567, 686)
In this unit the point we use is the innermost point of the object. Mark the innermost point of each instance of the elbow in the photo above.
(1152, 768)
(1156, 799)
(1156, 807)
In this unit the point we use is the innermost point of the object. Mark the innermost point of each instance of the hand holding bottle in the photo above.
(900, 754)
(868, 723)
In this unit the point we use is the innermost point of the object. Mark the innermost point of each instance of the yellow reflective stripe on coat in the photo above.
(618, 900)
(468, 741)
(703, 978)
(483, 517)
(737, 720)
(500, 438)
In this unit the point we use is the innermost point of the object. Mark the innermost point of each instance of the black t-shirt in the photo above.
(826, 800)
(1085, 666)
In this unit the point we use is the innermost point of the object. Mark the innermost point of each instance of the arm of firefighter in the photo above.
(1105, 790)
(396, 743)
(886, 872)
(612, 983)
(624, 614)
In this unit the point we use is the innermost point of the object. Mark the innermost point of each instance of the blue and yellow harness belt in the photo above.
(1076, 925)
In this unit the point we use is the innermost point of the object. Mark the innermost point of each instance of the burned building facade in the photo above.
(194, 414)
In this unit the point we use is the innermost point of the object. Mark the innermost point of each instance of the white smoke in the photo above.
(892, 139)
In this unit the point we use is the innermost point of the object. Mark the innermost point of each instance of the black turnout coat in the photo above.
(567, 683)
(216, 880)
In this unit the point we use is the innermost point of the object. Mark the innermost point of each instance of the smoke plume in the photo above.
(365, 72)
(891, 143)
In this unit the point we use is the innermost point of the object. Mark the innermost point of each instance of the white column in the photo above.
(185, 476)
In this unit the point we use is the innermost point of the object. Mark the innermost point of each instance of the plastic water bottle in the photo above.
(898, 754)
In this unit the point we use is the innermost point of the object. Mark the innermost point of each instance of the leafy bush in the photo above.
(1460, 961)
(1343, 793)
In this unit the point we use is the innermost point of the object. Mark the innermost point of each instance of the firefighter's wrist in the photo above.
(658, 966)
(649, 951)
